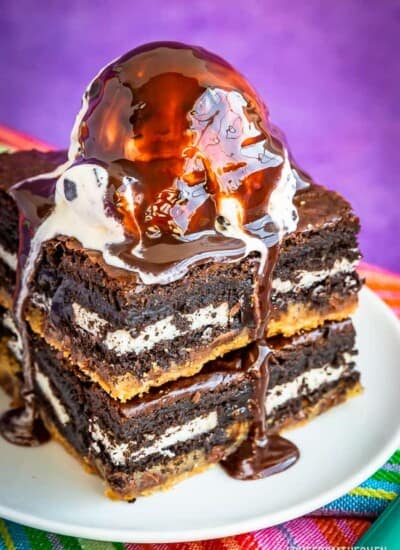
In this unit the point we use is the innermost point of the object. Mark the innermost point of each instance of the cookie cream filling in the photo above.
(45, 387)
(15, 344)
(8, 258)
(120, 453)
(124, 341)
(305, 384)
(306, 279)
(87, 320)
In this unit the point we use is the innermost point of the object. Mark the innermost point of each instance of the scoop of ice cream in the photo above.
(173, 149)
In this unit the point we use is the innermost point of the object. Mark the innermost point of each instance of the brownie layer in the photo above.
(309, 373)
(298, 354)
(311, 404)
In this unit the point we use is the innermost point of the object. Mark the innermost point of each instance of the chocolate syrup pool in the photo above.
(261, 454)
(173, 162)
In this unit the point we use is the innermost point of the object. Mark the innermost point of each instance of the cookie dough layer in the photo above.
(126, 385)
(308, 316)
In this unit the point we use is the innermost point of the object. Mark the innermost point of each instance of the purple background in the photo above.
(329, 71)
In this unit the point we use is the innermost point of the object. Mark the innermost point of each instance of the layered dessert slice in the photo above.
(315, 278)
(10, 356)
(128, 336)
(151, 442)
(171, 432)
(119, 330)
(310, 372)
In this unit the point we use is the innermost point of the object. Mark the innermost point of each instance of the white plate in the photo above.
(46, 488)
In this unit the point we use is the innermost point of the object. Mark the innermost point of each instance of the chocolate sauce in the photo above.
(21, 426)
(179, 132)
(261, 454)
(173, 161)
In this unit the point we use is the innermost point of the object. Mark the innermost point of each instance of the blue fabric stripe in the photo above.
(359, 505)
(17, 533)
(385, 485)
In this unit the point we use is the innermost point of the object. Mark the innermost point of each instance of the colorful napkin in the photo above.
(338, 524)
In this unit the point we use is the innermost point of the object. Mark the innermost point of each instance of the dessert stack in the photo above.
(174, 291)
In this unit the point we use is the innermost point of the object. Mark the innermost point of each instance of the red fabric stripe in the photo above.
(358, 526)
(332, 532)
(20, 141)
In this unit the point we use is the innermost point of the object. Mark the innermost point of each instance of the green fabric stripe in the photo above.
(69, 543)
(387, 475)
(118, 546)
(395, 458)
(38, 539)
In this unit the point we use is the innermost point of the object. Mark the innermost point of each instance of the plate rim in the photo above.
(227, 529)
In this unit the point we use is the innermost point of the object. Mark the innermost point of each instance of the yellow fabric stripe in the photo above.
(374, 493)
(5, 535)
(87, 544)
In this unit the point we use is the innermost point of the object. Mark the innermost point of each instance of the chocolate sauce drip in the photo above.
(263, 291)
(261, 454)
(21, 426)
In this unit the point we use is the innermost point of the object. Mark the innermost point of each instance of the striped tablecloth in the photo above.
(338, 524)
